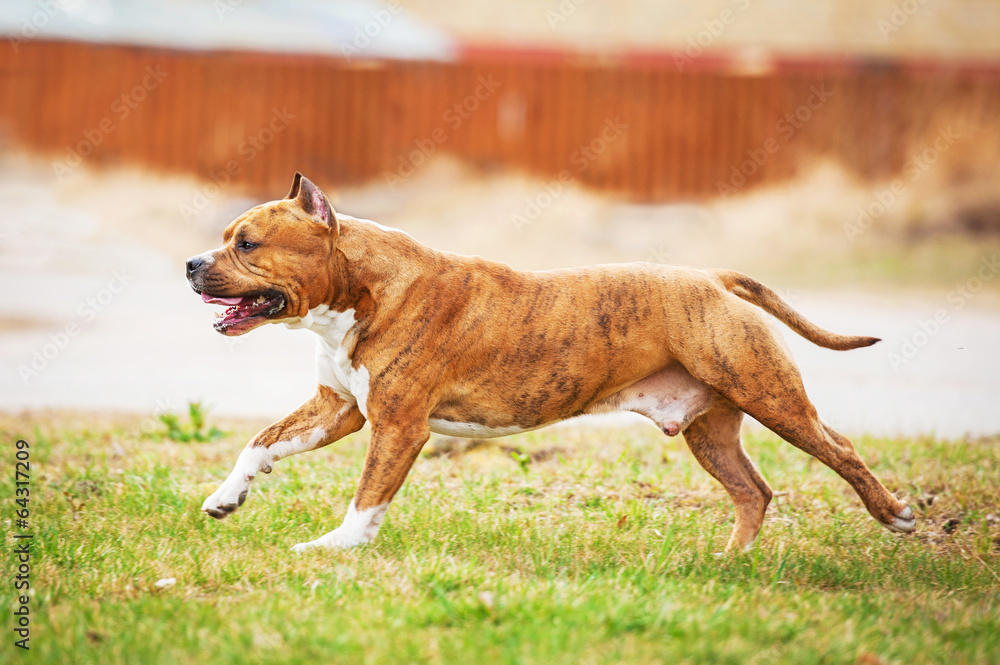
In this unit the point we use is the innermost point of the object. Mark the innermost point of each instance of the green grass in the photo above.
(599, 547)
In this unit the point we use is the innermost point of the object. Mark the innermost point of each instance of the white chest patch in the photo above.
(333, 354)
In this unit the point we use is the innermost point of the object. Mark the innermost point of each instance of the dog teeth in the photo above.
(261, 299)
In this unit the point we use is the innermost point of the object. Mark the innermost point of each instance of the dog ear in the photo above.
(314, 202)
(294, 191)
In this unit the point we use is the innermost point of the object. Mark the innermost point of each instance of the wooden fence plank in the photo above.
(358, 120)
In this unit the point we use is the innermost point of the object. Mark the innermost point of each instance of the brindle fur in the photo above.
(465, 339)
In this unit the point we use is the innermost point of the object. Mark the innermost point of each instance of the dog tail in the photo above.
(754, 292)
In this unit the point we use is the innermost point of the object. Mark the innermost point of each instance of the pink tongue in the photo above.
(220, 301)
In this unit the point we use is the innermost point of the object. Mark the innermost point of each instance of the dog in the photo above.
(415, 340)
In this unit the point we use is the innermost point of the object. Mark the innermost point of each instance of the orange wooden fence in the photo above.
(634, 124)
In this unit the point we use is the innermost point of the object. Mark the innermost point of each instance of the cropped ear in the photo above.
(314, 202)
(294, 191)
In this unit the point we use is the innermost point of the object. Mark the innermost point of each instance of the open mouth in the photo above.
(245, 312)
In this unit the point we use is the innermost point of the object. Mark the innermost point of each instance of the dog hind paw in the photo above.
(905, 522)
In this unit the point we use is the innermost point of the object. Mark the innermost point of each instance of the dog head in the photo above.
(275, 263)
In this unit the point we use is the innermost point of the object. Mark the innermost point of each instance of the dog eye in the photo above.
(245, 245)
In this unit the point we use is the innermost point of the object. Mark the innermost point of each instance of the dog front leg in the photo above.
(391, 454)
(320, 421)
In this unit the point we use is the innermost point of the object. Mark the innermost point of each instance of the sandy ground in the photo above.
(96, 313)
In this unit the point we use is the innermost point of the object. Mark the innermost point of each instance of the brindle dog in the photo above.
(416, 340)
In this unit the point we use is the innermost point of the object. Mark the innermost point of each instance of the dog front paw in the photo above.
(233, 492)
(225, 500)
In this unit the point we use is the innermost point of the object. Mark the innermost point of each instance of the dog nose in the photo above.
(193, 264)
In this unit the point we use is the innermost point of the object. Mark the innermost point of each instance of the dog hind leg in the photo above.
(757, 374)
(714, 439)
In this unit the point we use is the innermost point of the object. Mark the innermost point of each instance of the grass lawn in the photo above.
(586, 545)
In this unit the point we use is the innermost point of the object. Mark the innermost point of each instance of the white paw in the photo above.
(336, 539)
(358, 528)
(905, 523)
(224, 501)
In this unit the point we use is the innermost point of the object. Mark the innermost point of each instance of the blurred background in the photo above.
(846, 152)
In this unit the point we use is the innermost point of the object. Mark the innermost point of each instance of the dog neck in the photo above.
(370, 265)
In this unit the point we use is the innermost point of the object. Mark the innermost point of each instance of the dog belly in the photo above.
(476, 417)
(671, 398)
(471, 430)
